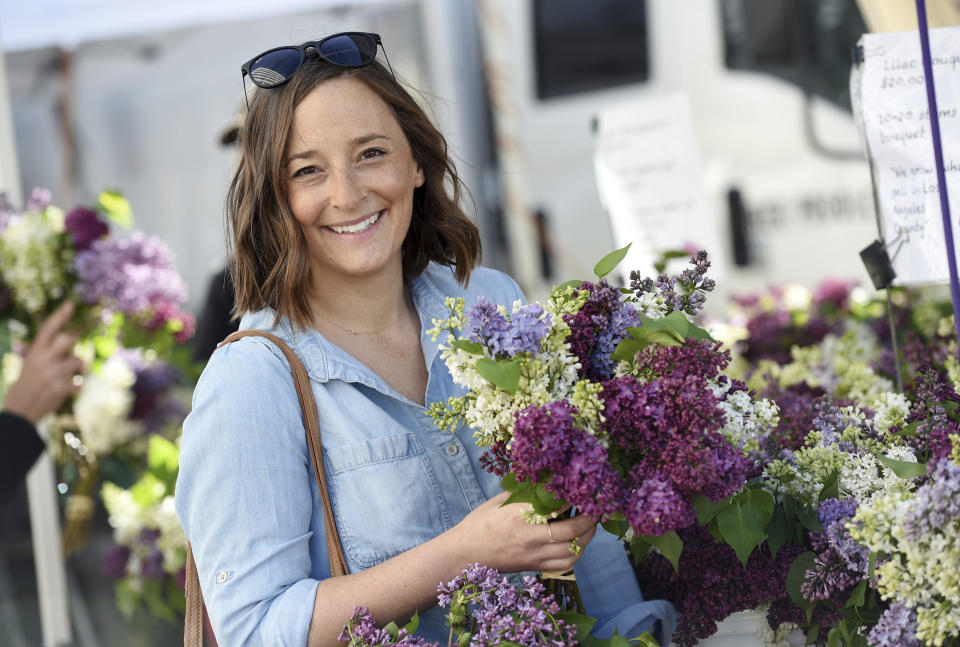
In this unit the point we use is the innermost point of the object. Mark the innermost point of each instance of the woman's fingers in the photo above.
(57, 320)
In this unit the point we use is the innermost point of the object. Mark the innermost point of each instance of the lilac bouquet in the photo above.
(613, 401)
(131, 329)
(485, 609)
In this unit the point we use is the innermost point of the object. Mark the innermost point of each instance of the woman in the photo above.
(346, 245)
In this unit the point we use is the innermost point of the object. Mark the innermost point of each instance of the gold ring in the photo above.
(550, 532)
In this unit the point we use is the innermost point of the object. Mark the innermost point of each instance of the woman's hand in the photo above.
(46, 378)
(497, 535)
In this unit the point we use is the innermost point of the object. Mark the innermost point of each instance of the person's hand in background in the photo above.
(49, 367)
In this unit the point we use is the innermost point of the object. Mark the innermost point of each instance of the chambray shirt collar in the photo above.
(325, 361)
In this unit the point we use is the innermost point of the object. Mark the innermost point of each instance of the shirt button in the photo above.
(452, 449)
(222, 577)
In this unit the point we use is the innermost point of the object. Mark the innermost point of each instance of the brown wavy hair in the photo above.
(270, 266)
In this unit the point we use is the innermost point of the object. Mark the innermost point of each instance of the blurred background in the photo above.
(139, 96)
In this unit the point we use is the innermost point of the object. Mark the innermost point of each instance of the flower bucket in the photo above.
(747, 629)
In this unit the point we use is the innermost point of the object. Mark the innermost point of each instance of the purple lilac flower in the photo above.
(711, 583)
(597, 327)
(692, 281)
(799, 405)
(496, 460)
(828, 578)
(40, 198)
(897, 627)
(936, 503)
(85, 226)
(133, 275)
(362, 631)
(498, 612)
(833, 513)
(547, 441)
(935, 428)
(507, 336)
(114, 564)
(834, 293)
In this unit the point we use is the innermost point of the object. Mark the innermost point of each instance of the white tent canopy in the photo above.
(66, 23)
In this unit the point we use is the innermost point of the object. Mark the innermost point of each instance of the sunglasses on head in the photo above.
(276, 66)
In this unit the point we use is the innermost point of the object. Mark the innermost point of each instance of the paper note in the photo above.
(648, 175)
(897, 125)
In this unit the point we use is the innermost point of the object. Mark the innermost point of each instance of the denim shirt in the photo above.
(247, 497)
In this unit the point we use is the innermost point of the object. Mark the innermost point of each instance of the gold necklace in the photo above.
(358, 333)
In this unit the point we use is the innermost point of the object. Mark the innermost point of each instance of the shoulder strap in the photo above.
(193, 622)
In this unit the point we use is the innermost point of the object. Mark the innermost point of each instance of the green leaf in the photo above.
(707, 510)
(639, 549)
(464, 639)
(833, 638)
(778, 530)
(871, 564)
(760, 502)
(627, 349)
(572, 283)
(667, 256)
(813, 632)
(858, 595)
(742, 528)
(610, 261)
(831, 487)
(520, 491)
(116, 208)
(583, 623)
(677, 323)
(645, 640)
(414, 623)
(904, 469)
(844, 631)
(502, 373)
(148, 490)
(544, 502)
(909, 430)
(392, 629)
(795, 576)
(469, 346)
(670, 546)
(616, 527)
(808, 518)
(126, 598)
(163, 458)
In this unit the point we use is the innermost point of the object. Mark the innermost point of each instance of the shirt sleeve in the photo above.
(22, 447)
(244, 497)
(610, 593)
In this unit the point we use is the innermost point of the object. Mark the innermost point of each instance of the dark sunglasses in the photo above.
(276, 66)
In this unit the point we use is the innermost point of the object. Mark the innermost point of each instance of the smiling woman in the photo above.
(346, 245)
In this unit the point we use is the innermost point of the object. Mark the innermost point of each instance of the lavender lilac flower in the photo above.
(507, 336)
(897, 627)
(484, 602)
(134, 275)
(597, 327)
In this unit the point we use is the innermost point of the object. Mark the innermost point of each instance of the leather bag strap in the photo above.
(193, 621)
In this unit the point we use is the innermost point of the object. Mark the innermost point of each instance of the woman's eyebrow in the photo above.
(358, 141)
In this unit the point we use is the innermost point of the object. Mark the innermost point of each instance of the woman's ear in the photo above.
(420, 179)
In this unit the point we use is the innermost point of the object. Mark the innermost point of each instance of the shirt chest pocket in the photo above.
(386, 497)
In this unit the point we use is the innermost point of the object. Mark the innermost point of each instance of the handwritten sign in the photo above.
(649, 179)
(897, 126)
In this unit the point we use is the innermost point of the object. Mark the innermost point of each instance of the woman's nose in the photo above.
(347, 190)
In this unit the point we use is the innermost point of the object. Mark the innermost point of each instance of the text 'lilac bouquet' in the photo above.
(611, 400)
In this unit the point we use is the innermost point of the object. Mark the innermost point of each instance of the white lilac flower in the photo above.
(103, 406)
(890, 410)
(125, 515)
(172, 541)
(34, 263)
